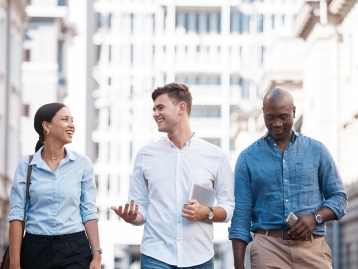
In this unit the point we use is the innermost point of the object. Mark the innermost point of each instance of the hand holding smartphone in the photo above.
(291, 220)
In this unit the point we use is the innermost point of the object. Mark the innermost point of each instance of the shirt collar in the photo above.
(37, 159)
(189, 143)
(293, 139)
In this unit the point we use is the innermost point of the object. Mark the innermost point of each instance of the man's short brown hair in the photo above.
(177, 93)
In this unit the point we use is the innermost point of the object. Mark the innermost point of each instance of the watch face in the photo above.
(210, 215)
(319, 219)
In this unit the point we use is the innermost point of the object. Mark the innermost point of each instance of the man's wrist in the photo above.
(96, 255)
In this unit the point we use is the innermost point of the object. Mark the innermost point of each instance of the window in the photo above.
(108, 213)
(272, 21)
(60, 55)
(109, 118)
(197, 80)
(241, 19)
(219, 23)
(186, 22)
(262, 54)
(260, 24)
(132, 53)
(109, 20)
(197, 23)
(108, 183)
(153, 22)
(218, 81)
(131, 16)
(206, 111)
(109, 152)
(208, 22)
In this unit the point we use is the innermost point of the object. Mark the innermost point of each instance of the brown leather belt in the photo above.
(282, 234)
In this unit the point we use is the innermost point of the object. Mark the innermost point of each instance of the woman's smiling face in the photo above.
(61, 126)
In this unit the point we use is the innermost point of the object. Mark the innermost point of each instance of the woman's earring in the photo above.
(48, 132)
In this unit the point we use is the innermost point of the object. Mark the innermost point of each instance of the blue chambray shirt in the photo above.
(59, 202)
(270, 184)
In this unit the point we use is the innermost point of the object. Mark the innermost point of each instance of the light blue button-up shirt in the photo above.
(270, 184)
(59, 202)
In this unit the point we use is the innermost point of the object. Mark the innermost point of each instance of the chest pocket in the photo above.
(202, 177)
(304, 173)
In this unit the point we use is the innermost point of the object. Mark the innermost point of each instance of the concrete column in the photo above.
(170, 35)
(225, 75)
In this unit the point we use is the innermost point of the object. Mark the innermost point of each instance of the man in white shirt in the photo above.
(178, 232)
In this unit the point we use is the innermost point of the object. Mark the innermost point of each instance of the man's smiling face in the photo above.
(165, 113)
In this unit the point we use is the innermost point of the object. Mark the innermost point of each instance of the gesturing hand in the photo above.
(304, 227)
(129, 213)
(193, 210)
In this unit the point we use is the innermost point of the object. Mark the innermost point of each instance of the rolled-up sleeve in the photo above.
(331, 184)
(139, 187)
(224, 187)
(241, 221)
(18, 192)
(88, 207)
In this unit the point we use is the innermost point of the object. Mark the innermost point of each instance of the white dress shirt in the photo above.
(160, 185)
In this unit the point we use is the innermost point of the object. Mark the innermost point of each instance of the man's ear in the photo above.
(294, 111)
(182, 108)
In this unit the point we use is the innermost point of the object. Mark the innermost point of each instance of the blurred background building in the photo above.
(48, 34)
(104, 58)
(12, 21)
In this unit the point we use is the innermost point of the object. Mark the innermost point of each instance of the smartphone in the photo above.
(291, 220)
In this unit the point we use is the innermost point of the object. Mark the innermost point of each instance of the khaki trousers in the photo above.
(276, 253)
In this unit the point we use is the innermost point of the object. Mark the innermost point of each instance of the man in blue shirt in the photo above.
(284, 172)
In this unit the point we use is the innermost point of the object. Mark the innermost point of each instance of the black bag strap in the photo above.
(29, 170)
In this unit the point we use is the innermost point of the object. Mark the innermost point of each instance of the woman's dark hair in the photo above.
(44, 113)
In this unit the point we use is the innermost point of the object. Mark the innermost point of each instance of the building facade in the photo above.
(12, 20)
(44, 70)
(215, 47)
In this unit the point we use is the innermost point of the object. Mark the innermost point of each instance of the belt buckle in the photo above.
(282, 233)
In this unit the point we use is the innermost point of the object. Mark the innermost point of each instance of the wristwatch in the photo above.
(318, 218)
(96, 249)
(210, 214)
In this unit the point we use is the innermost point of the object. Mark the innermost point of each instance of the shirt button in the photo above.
(286, 200)
(275, 144)
(285, 180)
(284, 161)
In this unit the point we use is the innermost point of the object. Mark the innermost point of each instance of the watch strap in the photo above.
(96, 249)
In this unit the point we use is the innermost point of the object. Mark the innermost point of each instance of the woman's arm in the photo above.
(15, 239)
(91, 227)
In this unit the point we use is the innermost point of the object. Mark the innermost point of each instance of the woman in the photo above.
(61, 201)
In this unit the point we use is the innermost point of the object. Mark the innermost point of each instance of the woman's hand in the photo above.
(96, 260)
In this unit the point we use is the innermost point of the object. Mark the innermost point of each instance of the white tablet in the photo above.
(205, 196)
